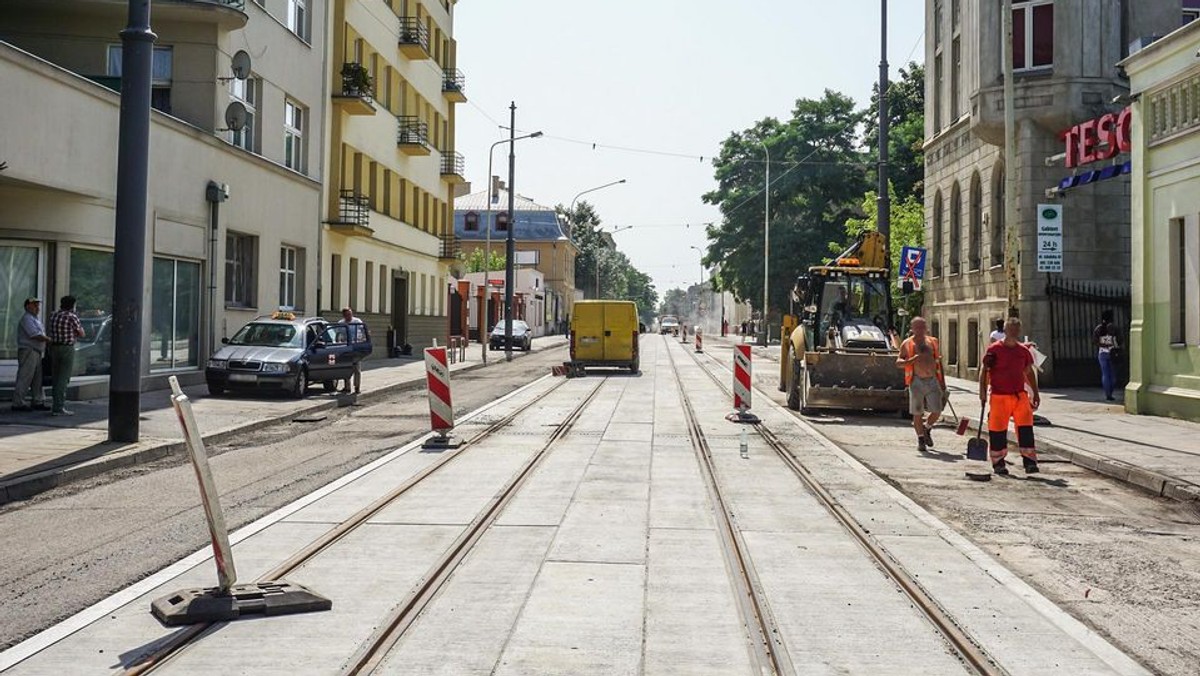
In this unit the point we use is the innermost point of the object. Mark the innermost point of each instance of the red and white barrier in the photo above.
(441, 409)
(699, 341)
(741, 378)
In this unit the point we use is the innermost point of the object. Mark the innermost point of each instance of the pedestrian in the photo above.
(349, 318)
(31, 347)
(1104, 339)
(1008, 370)
(921, 359)
(997, 333)
(63, 329)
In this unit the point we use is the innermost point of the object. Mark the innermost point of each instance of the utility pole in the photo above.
(129, 241)
(1012, 247)
(510, 244)
(766, 339)
(883, 202)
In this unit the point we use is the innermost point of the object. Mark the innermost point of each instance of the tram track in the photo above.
(971, 654)
(177, 643)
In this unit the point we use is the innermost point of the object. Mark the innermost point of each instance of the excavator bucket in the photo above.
(855, 381)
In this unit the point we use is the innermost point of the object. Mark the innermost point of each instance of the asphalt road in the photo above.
(66, 549)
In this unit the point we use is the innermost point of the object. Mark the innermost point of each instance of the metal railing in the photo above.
(453, 80)
(354, 208)
(356, 81)
(450, 246)
(453, 164)
(414, 32)
(412, 131)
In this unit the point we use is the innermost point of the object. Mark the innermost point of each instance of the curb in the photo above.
(29, 485)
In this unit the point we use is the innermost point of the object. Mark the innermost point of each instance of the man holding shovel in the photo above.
(922, 363)
(1008, 369)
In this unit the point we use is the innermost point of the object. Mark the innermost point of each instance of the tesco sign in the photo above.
(1099, 139)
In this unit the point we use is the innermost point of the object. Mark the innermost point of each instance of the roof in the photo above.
(534, 222)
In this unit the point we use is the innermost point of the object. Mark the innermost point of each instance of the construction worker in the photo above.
(921, 359)
(1008, 370)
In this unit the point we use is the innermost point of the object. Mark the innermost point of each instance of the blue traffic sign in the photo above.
(912, 265)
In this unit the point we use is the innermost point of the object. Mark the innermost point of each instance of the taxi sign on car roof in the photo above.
(284, 315)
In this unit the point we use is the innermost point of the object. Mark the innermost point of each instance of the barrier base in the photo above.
(744, 417)
(276, 597)
(440, 443)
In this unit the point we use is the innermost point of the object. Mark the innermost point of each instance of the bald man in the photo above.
(921, 359)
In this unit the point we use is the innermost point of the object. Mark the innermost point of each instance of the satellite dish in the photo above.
(241, 65)
(235, 116)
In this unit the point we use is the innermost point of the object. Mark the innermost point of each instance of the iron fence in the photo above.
(1075, 309)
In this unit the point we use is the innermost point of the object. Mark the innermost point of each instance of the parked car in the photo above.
(285, 353)
(93, 350)
(522, 336)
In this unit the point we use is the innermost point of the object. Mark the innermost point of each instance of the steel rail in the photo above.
(968, 650)
(193, 633)
(373, 652)
(762, 632)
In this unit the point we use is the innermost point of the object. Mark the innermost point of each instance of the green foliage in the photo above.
(908, 229)
(600, 270)
(473, 262)
(906, 113)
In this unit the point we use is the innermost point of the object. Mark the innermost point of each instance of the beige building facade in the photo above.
(233, 217)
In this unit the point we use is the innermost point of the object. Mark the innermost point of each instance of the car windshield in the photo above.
(854, 299)
(518, 325)
(267, 335)
(91, 328)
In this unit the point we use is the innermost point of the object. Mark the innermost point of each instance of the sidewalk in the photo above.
(1161, 455)
(39, 452)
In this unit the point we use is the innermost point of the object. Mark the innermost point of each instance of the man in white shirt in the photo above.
(349, 318)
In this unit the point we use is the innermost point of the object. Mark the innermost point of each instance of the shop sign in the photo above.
(1049, 238)
(1099, 139)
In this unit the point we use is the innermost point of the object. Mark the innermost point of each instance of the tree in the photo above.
(616, 278)
(473, 262)
(818, 175)
(906, 114)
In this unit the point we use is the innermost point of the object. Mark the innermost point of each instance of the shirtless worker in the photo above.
(921, 360)
(1008, 370)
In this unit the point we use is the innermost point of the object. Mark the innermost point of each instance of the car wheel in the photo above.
(328, 385)
(299, 385)
(215, 390)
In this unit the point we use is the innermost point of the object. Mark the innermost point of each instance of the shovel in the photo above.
(977, 449)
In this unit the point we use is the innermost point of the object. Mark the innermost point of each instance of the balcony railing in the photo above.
(412, 134)
(453, 165)
(236, 4)
(356, 81)
(450, 246)
(453, 83)
(414, 37)
(354, 208)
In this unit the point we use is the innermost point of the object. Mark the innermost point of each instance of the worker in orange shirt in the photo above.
(1008, 370)
(921, 358)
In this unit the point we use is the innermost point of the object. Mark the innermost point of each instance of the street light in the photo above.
(571, 210)
(699, 295)
(766, 242)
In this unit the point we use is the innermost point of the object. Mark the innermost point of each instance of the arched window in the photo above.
(975, 224)
(955, 230)
(998, 213)
(935, 238)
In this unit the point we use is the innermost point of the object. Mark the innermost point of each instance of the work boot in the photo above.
(1000, 467)
(921, 444)
(929, 437)
(1031, 465)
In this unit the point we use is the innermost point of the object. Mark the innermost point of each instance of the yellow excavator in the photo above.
(840, 351)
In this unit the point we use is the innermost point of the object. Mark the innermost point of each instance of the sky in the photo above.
(667, 80)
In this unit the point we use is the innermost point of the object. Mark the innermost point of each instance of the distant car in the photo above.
(668, 324)
(284, 353)
(522, 336)
(93, 349)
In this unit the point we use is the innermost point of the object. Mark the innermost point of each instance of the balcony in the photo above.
(453, 167)
(414, 38)
(412, 135)
(450, 247)
(453, 83)
(355, 97)
(354, 215)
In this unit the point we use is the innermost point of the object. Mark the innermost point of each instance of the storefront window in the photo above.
(92, 284)
(18, 281)
(174, 315)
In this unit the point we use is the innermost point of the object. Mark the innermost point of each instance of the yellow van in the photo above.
(605, 333)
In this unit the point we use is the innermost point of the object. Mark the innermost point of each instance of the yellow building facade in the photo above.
(388, 240)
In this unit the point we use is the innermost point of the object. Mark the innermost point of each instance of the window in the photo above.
(240, 279)
(247, 93)
(952, 344)
(293, 135)
(1033, 34)
(335, 282)
(956, 79)
(353, 302)
(20, 280)
(174, 315)
(973, 343)
(937, 22)
(160, 74)
(383, 288)
(369, 280)
(297, 18)
(955, 229)
(975, 224)
(1191, 11)
(91, 284)
(1185, 281)
(938, 77)
(935, 239)
(287, 277)
(998, 214)
(502, 222)
(471, 221)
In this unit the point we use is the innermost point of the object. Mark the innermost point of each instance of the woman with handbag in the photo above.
(1104, 338)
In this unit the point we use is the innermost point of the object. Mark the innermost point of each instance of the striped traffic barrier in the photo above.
(699, 340)
(741, 378)
(441, 409)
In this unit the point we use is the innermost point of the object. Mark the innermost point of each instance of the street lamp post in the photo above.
(766, 242)
(571, 214)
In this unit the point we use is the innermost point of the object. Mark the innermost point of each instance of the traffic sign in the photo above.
(1049, 238)
(912, 266)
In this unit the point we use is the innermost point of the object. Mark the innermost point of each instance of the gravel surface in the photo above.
(68, 548)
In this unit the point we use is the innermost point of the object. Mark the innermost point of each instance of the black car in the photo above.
(284, 353)
(522, 336)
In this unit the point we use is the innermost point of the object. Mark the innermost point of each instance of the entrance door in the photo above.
(400, 309)
(20, 278)
(456, 314)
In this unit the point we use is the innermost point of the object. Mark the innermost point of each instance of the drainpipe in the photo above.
(214, 194)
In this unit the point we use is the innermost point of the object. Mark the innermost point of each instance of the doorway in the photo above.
(400, 309)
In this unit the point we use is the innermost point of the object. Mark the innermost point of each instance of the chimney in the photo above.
(497, 186)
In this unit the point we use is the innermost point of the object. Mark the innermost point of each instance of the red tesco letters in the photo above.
(1099, 139)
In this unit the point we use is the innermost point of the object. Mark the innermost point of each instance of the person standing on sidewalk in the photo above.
(349, 318)
(63, 329)
(997, 333)
(1008, 370)
(1104, 339)
(921, 359)
(31, 346)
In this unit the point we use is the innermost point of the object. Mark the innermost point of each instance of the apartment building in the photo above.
(388, 239)
(1066, 74)
(234, 216)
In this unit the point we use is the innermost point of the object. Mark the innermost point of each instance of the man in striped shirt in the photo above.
(64, 328)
